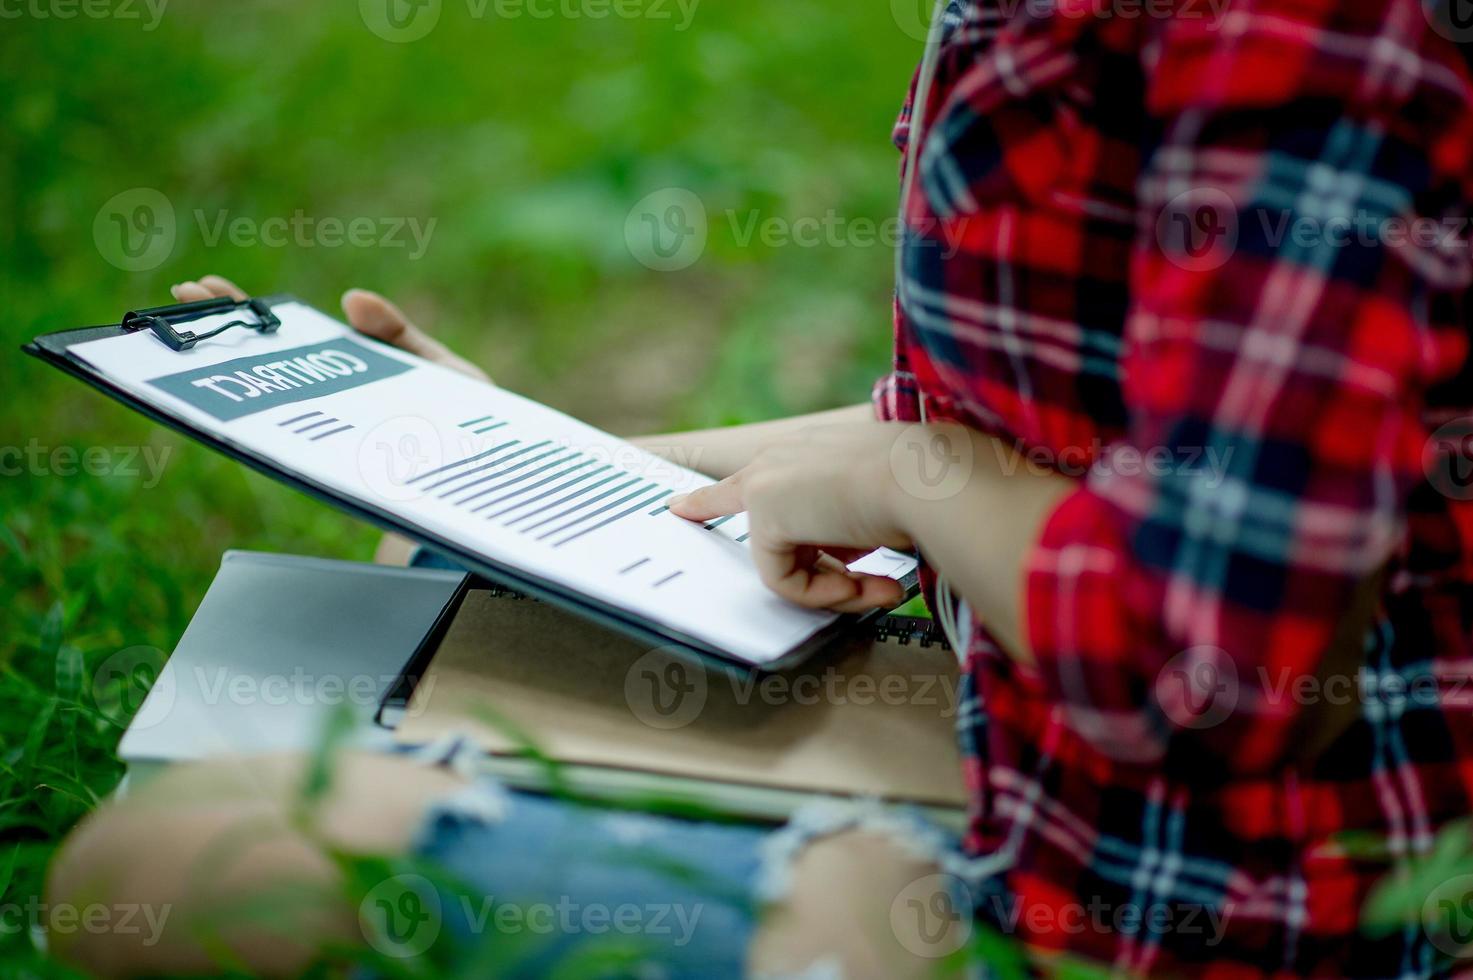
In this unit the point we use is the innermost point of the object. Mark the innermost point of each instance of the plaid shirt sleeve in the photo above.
(1274, 367)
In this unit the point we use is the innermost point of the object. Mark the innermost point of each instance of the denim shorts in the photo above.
(539, 885)
(502, 882)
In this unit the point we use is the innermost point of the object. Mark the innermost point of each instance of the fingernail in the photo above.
(678, 499)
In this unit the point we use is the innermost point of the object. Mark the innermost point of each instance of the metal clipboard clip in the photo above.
(164, 320)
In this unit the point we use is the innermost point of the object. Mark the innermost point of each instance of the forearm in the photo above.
(721, 452)
(980, 537)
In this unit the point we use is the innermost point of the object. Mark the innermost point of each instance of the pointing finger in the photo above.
(717, 500)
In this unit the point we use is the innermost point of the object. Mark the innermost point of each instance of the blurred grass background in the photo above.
(526, 141)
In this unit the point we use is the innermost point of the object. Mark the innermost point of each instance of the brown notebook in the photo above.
(874, 719)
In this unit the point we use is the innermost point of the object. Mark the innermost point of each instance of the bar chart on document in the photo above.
(504, 476)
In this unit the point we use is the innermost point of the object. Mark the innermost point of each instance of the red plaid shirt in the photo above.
(1180, 257)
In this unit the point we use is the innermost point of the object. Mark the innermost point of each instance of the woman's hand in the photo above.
(368, 313)
(816, 499)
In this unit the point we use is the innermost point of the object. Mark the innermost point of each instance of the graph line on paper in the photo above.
(588, 502)
(590, 515)
(461, 462)
(521, 485)
(617, 517)
(314, 425)
(580, 492)
(484, 424)
(330, 432)
(556, 454)
(472, 470)
(580, 475)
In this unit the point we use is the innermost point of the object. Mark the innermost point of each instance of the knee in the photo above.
(851, 909)
(104, 865)
(213, 865)
(142, 891)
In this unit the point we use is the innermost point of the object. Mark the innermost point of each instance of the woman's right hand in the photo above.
(368, 313)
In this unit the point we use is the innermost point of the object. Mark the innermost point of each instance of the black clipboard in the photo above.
(167, 323)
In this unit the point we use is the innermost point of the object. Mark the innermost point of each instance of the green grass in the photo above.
(527, 141)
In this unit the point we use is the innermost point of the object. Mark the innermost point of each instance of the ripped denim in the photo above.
(542, 886)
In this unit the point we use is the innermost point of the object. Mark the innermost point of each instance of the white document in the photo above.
(505, 477)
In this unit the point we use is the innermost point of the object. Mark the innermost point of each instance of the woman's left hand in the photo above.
(815, 500)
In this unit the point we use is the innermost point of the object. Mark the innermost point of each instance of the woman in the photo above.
(1163, 305)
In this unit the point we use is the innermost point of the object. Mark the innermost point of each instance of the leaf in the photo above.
(51, 627)
(336, 732)
(11, 542)
(70, 668)
(7, 869)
